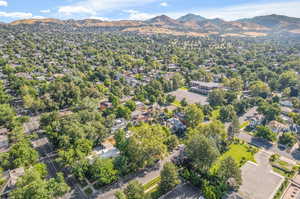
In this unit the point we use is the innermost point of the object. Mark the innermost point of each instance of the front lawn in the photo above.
(241, 153)
(245, 124)
(176, 103)
(184, 88)
(152, 183)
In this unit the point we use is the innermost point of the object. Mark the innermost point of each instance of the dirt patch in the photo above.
(255, 34)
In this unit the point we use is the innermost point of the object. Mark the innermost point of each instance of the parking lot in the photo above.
(259, 180)
(190, 97)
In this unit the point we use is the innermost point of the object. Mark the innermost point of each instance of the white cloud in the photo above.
(136, 15)
(45, 11)
(19, 15)
(164, 4)
(69, 10)
(289, 8)
(3, 3)
(99, 18)
(93, 6)
(38, 17)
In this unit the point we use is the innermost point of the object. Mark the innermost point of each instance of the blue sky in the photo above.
(11, 10)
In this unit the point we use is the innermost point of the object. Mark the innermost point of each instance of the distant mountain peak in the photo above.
(162, 20)
(273, 20)
(191, 17)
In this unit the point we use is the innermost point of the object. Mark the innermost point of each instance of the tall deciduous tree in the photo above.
(230, 173)
(216, 97)
(169, 178)
(147, 144)
(202, 152)
(134, 190)
(193, 115)
(34, 185)
(103, 171)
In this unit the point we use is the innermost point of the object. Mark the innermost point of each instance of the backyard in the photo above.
(241, 153)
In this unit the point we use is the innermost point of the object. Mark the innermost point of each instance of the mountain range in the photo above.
(189, 25)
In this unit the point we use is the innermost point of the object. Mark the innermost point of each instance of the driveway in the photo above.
(270, 147)
(140, 177)
(249, 113)
(183, 191)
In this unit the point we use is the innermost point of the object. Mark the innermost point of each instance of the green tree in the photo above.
(202, 152)
(234, 128)
(227, 113)
(235, 84)
(214, 130)
(287, 79)
(183, 102)
(288, 139)
(120, 195)
(216, 97)
(265, 132)
(193, 115)
(259, 88)
(131, 105)
(169, 178)
(103, 171)
(134, 190)
(146, 145)
(123, 112)
(34, 185)
(7, 115)
(208, 191)
(230, 173)
(22, 154)
(270, 111)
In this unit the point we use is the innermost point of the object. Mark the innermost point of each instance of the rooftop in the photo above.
(208, 84)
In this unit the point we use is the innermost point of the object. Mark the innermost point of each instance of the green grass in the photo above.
(282, 188)
(152, 183)
(176, 103)
(239, 152)
(283, 163)
(246, 123)
(184, 88)
(281, 172)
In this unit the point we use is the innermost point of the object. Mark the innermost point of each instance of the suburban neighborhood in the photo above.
(163, 108)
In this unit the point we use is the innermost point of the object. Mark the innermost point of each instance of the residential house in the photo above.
(4, 144)
(120, 123)
(278, 127)
(106, 150)
(104, 105)
(14, 175)
(132, 81)
(286, 110)
(32, 125)
(173, 68)
(286, 103)
(255, 120)
(295, 128)
(204, 87)
(176, 125)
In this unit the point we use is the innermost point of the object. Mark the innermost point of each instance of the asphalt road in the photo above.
(142, 178)
(270, 147)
